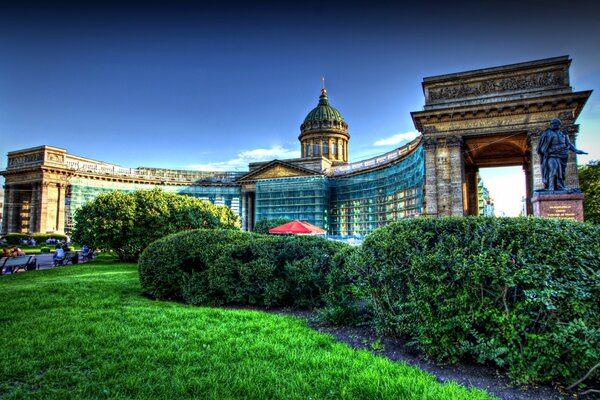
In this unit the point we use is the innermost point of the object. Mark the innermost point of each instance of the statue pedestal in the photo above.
(558, 205)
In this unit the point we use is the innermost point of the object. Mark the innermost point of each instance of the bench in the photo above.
(17, 263)
(87, 255)
(70, 257)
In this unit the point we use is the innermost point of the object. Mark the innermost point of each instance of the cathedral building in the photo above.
(491, 117)
(45, 185)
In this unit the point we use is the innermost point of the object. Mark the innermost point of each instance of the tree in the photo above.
(128, 222)
(589, 182)
(264, 225)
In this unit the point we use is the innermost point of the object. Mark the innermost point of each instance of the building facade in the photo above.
(46, 185)
(483, 118)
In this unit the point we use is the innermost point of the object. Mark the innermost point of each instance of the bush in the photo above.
(42, 237)
(127, 222)
(217, 267)
(264, 225)
(519, 292)
(45, 249)
(344, 304)
(15, 238)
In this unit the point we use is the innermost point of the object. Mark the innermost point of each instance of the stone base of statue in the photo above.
(558, 204)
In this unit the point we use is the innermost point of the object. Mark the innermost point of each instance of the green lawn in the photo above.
(86, 331)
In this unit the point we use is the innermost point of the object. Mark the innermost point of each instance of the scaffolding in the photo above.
(362, 203)
(301, 198)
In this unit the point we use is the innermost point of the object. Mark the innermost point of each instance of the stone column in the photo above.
(60, 207)
(528, 187)
(471, 179)
(457, 173)
(244, 212)
(45, 224)
(431, 193)
(35, 210)
(8, 212)
(443, 177)
(536, 169)
(346, 152)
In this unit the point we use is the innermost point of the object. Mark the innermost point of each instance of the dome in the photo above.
(324, 116)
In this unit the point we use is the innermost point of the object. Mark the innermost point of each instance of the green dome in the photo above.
(324, 112)
(324, 116)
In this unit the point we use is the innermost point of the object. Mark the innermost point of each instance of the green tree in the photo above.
(589, 181)
(127, 222)
(264, 225)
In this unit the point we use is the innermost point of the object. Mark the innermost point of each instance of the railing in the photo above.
(370, 163)
(152, 173)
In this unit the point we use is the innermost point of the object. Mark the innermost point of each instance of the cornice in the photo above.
(574, 100)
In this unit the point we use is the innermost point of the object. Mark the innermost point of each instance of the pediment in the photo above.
(277, 169)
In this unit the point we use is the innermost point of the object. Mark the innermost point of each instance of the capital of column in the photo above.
(429, 143)
(454, 141)
(534, 135)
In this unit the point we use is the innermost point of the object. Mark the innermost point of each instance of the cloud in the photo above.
(397, 139)
(246, 157)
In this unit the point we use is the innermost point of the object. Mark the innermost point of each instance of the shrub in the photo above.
(127, 222)
(42, 237)
(217, 267)
(344, 304)
(519, 292)
(264, 225)
(45, 249)
(15, 238)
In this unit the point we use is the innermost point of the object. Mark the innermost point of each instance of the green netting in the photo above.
(365, 202)
(83, 190)
(302, 198)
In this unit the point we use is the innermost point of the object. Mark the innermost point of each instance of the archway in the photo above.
(492, 117)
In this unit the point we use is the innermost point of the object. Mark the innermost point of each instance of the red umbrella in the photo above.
(297, 228)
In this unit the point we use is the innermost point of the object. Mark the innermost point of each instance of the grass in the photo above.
(37, 248)
(86, 331)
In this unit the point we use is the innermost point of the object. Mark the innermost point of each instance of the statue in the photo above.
(553, 148)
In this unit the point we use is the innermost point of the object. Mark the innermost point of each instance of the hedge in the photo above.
(522, 293)
(16, 238)
(215, 267)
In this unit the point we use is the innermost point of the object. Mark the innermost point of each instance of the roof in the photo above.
(297, 228)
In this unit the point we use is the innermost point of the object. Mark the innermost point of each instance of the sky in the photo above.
(217, 84)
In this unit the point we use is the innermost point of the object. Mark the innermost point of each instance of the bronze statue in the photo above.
(553, 148)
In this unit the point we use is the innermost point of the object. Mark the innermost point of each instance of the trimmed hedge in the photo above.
(214, 267)
(522, 293)
(16, 238)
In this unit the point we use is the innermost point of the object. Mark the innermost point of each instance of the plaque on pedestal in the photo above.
(549, 204)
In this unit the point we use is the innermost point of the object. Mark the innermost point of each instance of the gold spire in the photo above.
(323, 91)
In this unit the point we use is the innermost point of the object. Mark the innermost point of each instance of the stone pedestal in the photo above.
(558, 205)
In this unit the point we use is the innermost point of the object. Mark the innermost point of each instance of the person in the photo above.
(59, 255)
(553, 148)
(16, 252)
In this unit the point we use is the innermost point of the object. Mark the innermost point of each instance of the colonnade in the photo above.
(333, 149)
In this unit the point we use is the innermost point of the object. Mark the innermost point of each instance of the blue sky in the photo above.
(213, 84)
